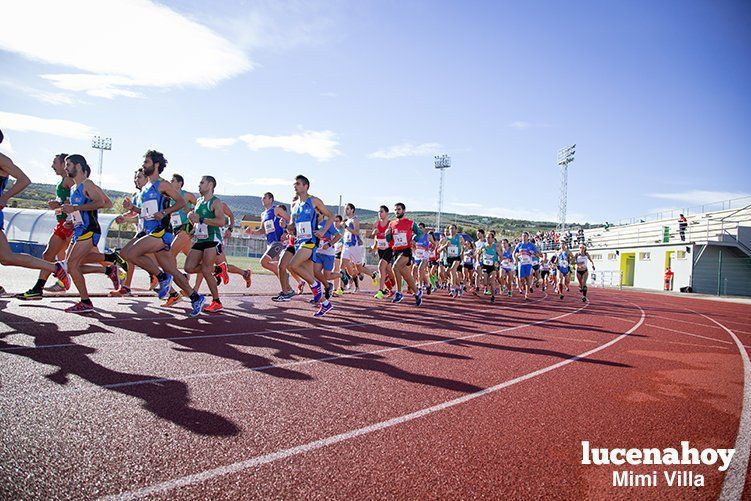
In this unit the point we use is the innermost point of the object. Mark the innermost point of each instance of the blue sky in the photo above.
(360, 95)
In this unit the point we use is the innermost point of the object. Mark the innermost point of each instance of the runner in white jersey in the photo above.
(582, 271)
(479, 244)
(353, 255)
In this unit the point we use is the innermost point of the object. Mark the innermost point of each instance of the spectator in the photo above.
(682, 225)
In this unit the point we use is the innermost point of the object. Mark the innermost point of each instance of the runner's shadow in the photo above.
(166, 398)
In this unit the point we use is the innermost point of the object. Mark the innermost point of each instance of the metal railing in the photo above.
(734, 203)
(608, 279)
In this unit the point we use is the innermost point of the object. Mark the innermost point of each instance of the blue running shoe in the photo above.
(317, 292)
(198, 305)
(323, 309)
(164, 286)
(398, 297)
(418, 297)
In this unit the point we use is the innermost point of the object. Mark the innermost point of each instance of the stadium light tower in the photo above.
(565, 157)
(101, 144)
(442, 162)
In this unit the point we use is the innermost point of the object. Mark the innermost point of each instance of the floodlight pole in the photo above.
(442, 162)
(101, 144)
(565, 157)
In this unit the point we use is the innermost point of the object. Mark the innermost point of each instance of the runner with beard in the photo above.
(401, 233)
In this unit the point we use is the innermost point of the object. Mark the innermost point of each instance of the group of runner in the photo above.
(324, 251)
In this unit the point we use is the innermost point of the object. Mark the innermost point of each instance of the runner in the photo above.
(523, 254)
(338, 246)
(272, 218)
(468, 264)
(535, 266)
(157, 212)
(564, 259)
(223, 267)
(179, 219)
(489, 259)
(133, 214)
(323, 263)
(86, 199)
(507, 267)
(582, 272)
(303, 222)
(452, 245)
(62, 233)
(479, 244)
(422, 259)
(385, 252)
(208, 220)
(544, 271)
(401, 233)
(353, 255)
(7, 257)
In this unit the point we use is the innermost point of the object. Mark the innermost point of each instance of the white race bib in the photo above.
(453, 251)
(268, 226)
(75, 218)
(400, 239)
(201, 231)
(175, 219)
(488, 260)
(304, 230)
(382, 243)
(524, 259)
(149, 208)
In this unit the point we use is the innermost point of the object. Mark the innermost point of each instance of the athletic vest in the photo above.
(153, 201)
(351, 239)
(271, 225)
(305, 218)
(381, 242)
(62, 194)
(401, 233)
(83, 221)
(202, 232)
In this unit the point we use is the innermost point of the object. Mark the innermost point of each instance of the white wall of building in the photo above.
(649, 264)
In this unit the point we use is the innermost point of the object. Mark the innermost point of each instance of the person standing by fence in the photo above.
(682, 225)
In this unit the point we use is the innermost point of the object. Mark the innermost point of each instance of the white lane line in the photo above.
(694, 335)
(201, 375)
(735, 477)
(275, 456)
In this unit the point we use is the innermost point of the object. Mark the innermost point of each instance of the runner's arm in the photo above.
(22, 180)
(218, 220)
(179, 202)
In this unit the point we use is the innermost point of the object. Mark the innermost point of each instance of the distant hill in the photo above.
(36, 196)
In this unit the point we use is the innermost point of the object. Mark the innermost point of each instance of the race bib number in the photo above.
(75, 218)
(149, 208)
(507, 264)
(420, 254)
(523, 259)
(488, 261)
(201, 231)
(304, 230)
(400, 239)
(175, 219)
(268, 226)
(382, 244)
(453, 251)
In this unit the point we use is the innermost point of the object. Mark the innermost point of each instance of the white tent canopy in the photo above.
(35, 226)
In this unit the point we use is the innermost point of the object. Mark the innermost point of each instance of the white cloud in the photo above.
(216, 142)
(56, 127)
(321, 145)
(699, 197)
(407, 150)
(520, 125)
(128, 45)
(41, 95)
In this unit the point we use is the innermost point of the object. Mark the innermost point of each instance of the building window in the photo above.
(596, 257)
(645, 256)
(680, 255)
(611, 256)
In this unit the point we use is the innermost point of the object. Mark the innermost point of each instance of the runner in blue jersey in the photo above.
(7, 257)
(453, 247)
(324, 257)
(157, 212)
(422, 259)
(303, 224)
(273, 217)
(524, 253)
(564, 260)
(507, 272)
(489, 261)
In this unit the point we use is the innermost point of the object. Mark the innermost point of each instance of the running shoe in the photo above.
(111, 272)
(248, 276)
(214, 307)
(584, 299)
(284, 297)
(30, 294)
(122, 274)
(339, 292)
(2, 290)
(492, 299)
(173, 298)
(429, 289)
(487, 292)
(197, 305)
(119, 260)
(122, 291)
(56, 287)
(62, 275)
(418, 297)
(561, 296)
(164, 286)
(317, 292)
(222, 273)
(80, 307)
(374, 277)
(378, 295)
(327, 290)
(398, 297)
(300, 287)
(312, 301)
(323, 309)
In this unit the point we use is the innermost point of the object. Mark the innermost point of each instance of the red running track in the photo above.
(457, 399)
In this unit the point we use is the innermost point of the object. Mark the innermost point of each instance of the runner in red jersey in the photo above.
(402, 233)
(385, 253)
